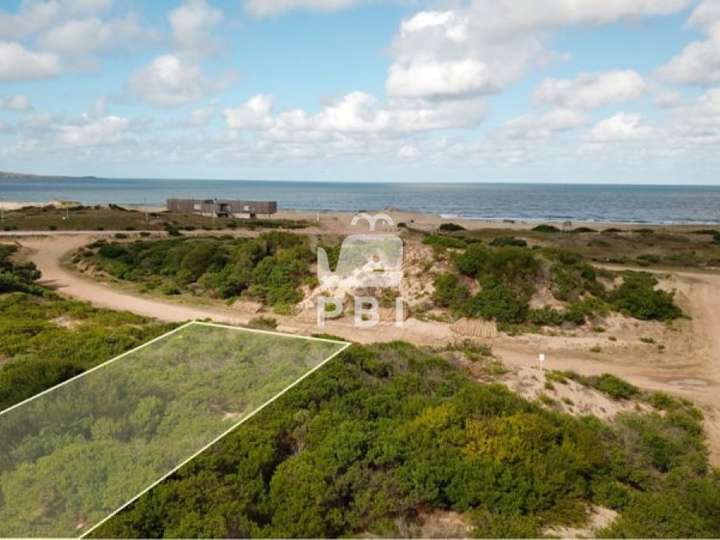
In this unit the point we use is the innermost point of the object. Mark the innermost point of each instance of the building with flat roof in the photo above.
(223, 207)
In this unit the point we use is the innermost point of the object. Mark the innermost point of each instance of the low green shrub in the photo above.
(451, 227)
(546, 229)
(503, 241)
(450, 292)
(638, 297)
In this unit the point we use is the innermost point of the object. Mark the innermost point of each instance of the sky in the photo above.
(582, 91)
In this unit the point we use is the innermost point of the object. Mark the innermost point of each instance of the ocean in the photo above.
(491, 201)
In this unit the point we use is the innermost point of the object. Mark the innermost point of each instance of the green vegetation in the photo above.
(387, 432)
(117, 218)
(271, 268)
(608, 384)
(89, 446)
(638, 297)
(45, 340)
(546, 229)
(451, 227)
(444, 241)
(509, 273)
(502, 241)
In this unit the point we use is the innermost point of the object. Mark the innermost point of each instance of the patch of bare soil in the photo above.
(438, 524)
(66, 322)
(599, 518)
(568, 396)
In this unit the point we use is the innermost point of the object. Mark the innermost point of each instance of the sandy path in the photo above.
(694, 375)
(48, 252)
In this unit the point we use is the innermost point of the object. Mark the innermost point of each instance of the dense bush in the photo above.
(16, 276)
(498, 303)
(450, 292)
(45, 340)
(443, 241)
(270, 268)
(503, 241)
(512, 267)
(571, 276)
(451, 227)
(638, 297)
(387, 432)
(546, 229)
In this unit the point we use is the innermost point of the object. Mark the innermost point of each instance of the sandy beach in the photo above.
(332, 222)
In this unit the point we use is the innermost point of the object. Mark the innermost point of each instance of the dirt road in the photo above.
(691, 370)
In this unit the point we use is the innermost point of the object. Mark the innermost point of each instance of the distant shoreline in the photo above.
(422, 220)
(29, 176)
(497, 203)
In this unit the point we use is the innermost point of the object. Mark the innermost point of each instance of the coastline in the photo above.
(340, 221)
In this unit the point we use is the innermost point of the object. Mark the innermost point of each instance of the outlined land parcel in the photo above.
(73, 455)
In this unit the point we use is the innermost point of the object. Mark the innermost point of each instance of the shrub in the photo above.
(546, 229)
(546, 316)
(638, 297)
(172, 230)
(450, 291)
(439, 240)
(508, 241)
(614, 387)
(451, 227)
(512, 267)
(263, 323)
(499, 303)
(270, 268)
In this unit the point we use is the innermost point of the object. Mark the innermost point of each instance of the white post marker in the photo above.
(542, 359)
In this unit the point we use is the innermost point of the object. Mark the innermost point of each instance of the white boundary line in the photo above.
(270, 332)
(225, 434)
(155, 340)
(344, 344)
(104, 364)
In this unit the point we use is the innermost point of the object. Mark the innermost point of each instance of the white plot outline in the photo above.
(344, 347)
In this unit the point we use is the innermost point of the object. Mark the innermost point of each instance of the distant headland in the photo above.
(6, 174)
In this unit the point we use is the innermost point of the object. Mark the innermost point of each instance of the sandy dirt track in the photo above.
(691, 371)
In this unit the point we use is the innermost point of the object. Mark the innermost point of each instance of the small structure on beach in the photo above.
(223, 207)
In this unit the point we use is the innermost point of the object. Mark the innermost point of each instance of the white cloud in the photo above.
(440, 79)
(256, 113)
(706, 14)
(168, 81)
(408, 151)
(98, 132)
(6, 129)
(264, 8)
(667, 99)
(201, 117)
(591, 90)
(454, 26)
(699, 62)
(18, 102)
(193, 24)
(544, 126)
(482, 46)
(620, 127)
(18, 63)
(36, 15)
(356, 112)
(93, 35)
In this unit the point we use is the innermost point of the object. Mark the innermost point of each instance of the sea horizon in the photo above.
(492, 201)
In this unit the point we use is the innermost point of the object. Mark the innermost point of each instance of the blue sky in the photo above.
(622, 91)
